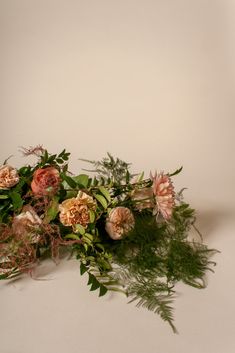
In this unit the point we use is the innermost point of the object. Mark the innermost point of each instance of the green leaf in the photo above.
(80, 229)
(127, 176)
(140, 177)
(44, 158)
(83, 269)
(101, 200)
(52, 210)
(72, 236)
(105, 192)
(103, 290)
(61, 153)
(16, 200)
(3, 197)
(92, 216)
(90, 279)
(95, 284)
(105, 264)
(88, 236)
(176, 172)
(82, 180)
(59, 160)
(100, 246)
(95, 181)
(69, 180)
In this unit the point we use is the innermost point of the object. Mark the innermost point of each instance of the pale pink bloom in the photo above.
(119, 222)
(164, 195)
(8, 177)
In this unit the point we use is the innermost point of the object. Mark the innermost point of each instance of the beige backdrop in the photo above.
(153, 83)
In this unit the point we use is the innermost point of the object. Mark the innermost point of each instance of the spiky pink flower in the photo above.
(163, 191)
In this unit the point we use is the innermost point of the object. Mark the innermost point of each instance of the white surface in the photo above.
(151, 82)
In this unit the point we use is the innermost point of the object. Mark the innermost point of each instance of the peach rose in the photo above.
(45, 181)
(119, 222)
(76, 210)
(8, 177)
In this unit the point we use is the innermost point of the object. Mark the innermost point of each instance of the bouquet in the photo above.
(130, 234)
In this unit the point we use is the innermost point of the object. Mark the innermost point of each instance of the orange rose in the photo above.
(45, 181)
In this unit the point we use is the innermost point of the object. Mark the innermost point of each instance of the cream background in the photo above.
(153, 83)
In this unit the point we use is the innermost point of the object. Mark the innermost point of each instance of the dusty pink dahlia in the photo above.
(163, 191)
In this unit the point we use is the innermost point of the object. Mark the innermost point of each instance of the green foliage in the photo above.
(145, 264)
(111, 169)
(53, 159)
(52, 210)
(176, 172)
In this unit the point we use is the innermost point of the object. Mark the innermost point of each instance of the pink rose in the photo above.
(45, 181)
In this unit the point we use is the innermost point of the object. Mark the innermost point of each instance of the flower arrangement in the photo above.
(130, 234)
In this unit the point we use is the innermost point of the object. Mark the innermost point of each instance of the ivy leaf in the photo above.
(105, 192)
(101, 200)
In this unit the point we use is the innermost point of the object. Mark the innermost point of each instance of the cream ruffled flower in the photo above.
(8, 177)
(76, 210)
(27, 222)
(164, 195)
(119, 222)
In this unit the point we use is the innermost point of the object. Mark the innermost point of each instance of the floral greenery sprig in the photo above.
(130, 234)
